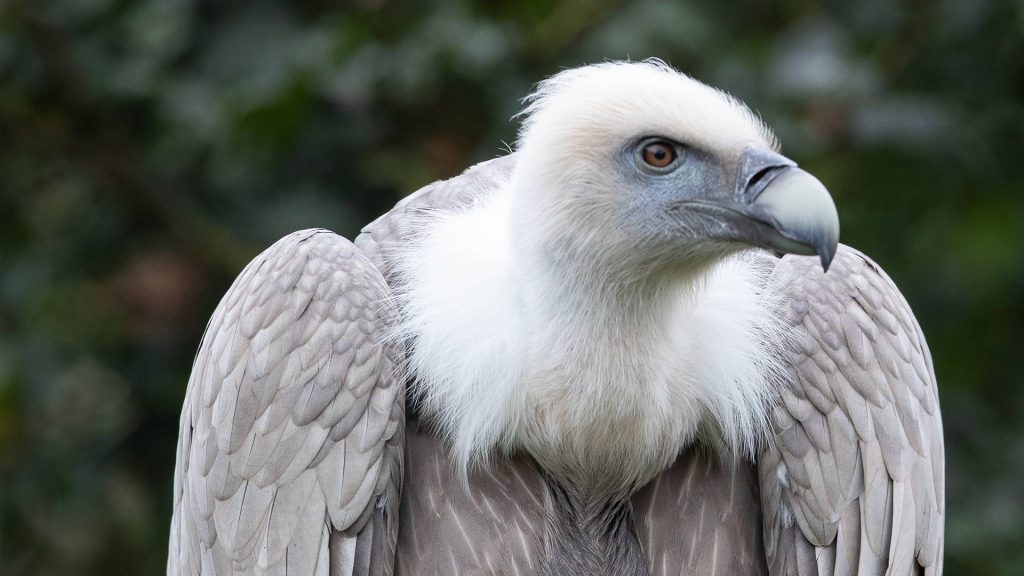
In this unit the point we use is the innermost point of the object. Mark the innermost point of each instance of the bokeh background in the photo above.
(149, 149)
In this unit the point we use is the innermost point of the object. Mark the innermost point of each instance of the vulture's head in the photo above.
(639, 168)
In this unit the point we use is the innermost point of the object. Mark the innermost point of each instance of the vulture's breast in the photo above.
(699, 517)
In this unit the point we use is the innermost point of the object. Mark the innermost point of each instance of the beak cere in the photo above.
(779, 206)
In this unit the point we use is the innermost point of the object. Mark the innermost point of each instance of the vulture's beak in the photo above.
(772, 190)
(778, 206)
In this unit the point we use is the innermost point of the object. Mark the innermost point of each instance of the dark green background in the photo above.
(149, 149)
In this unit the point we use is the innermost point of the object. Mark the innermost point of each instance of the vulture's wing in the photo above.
(290, 454)
(854, 483)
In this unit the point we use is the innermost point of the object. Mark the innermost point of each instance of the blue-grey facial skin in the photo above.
(700, 207)
(655, 195)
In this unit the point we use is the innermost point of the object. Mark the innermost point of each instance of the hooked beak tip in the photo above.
(802, 211)
(826, 256)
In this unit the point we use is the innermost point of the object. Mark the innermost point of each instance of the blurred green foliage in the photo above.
(148, 149)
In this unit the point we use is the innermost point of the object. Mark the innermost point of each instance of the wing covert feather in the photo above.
(291, 446)
(854, 481)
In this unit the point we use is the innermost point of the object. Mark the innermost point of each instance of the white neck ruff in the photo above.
(605, 393)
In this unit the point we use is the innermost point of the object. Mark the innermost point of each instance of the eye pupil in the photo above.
(659, 154)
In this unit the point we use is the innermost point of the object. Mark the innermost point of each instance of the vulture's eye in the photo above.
(659, 155)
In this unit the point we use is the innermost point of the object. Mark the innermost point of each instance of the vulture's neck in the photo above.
(602, 382)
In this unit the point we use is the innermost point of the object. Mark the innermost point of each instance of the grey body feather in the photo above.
(294, 429)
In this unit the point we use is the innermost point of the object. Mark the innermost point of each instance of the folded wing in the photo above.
(290, 449)
(854, 483)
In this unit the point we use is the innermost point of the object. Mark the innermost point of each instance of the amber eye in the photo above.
(659, 154)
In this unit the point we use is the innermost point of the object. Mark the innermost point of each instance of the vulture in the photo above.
(631, 346)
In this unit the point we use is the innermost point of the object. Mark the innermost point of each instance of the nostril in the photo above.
(759, 181)
(758, 177)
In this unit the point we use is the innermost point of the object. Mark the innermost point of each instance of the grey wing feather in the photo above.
(290, 454)
(854, 483)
